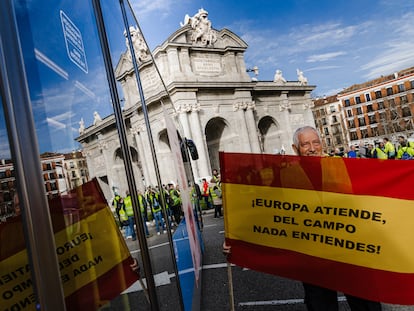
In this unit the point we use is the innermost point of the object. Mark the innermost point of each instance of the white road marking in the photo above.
(279, 302)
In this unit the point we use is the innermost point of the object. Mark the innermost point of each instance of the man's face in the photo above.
(309, 144)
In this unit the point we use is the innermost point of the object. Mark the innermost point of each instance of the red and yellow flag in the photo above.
(94, 260)
(344, 224)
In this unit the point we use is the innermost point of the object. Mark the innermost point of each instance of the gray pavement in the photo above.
(252, 290)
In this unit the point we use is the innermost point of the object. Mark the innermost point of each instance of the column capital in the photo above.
(308, 105)
(244, 105)
(136, 129)
(188, 107)
(284, 105)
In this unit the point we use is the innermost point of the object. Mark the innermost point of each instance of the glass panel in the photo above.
(15, 276)
(84, 165)
(154, 220)
(70, 97)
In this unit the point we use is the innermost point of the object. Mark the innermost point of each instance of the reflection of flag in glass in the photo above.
(94, 260)
(344, 224)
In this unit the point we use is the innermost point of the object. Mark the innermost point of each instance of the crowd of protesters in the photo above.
(384, 149)
(151, 205)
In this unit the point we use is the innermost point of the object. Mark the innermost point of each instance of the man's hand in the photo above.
(226, 249)
(134, 266)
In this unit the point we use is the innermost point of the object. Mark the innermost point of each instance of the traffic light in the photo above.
(192, 149)
(183, 151)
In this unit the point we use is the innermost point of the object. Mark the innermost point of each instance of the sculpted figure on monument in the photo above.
(201, 26)
(140, 48)
(81, 126)
(279, 77)
(96, 118)
(301, 78)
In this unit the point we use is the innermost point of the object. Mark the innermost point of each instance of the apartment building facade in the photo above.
(329, 120)
(379, 108)
(76, 169)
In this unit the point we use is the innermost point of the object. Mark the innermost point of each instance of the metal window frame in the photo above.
(36, 220)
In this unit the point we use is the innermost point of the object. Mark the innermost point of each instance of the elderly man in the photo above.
(307, 142)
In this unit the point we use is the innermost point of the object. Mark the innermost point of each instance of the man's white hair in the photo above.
(299, 131)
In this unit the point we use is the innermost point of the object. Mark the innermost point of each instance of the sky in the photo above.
(335, 43)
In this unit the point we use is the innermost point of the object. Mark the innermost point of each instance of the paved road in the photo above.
(252, 290)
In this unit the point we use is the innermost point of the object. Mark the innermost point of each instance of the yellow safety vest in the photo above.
(128, 206)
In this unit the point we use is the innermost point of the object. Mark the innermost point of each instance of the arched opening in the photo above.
(219, 138)
(270, 141)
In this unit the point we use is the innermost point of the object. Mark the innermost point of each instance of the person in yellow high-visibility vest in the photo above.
(157, 211)
(130, 213)
(143, 209)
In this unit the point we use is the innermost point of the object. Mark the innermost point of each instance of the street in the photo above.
(252, 290)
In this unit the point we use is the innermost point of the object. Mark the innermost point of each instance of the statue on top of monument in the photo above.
(81, 126)
(140, 48)
(301, 78)
(96, 118)
(278, 78)
(201, 26)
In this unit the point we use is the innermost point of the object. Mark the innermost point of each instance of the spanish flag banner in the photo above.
(343, 224)
(94, 260)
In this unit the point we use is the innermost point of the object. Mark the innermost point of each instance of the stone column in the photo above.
(244, 131)
(307, 107)
(173, 62)
(137, 130)
(182, 111)
(202, 165)
(285, 109)
(252, 128)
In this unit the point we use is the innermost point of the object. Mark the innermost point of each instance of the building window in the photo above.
(349, 112)
(403, 99)
(401, 87)
(358, 100)
(323, 121)
(71, 164)
(359, 110)
(48, 166)
(372, 119)
(389, 91)
(328, 141)
(391, 102)
(412, 84)
(380, 105)
(406, 112)
(361, 121)
(347, 103)
(334, 120)
(354, 136)
(369, 108)
(378, 94)
(338, 140)
(364, 133)
(73, 174)
(351, 124)
(332, 108)
(53, 186)
(326, 131)
(368, 97)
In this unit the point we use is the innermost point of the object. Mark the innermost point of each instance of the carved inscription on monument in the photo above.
(207, 65)
(297, 119)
